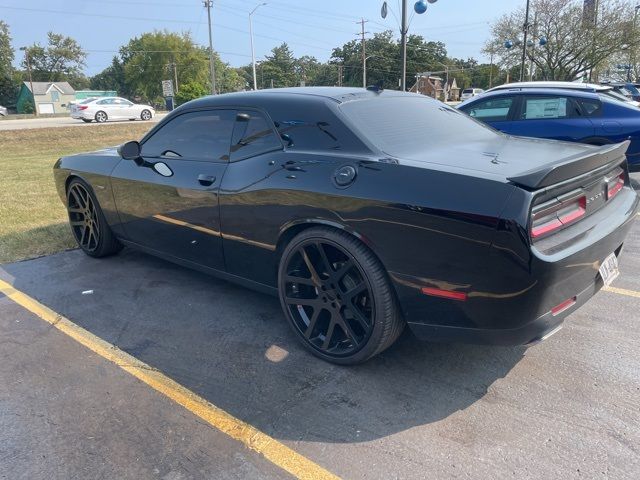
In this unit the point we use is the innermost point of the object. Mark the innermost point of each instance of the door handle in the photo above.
(206, 180)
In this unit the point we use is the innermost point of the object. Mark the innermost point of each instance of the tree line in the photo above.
(577, 45)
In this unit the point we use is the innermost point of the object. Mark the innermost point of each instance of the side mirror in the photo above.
(129, 150)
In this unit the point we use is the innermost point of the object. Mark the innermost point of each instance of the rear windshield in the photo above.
(402, 126)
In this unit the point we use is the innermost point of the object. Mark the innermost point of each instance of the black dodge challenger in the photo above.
(365, 211)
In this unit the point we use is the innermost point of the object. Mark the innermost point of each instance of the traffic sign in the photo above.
(167, 88)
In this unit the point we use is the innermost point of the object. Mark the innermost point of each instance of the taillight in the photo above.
(83, 107)
(615, 182)
(558, 213)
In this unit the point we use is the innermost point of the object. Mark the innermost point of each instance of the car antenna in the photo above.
(378, 87)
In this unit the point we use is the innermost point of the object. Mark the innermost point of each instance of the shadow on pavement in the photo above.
(232, 346)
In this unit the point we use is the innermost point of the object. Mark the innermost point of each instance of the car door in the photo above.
(129, 109)
(557, 117)
(495, 111)
(177, 213)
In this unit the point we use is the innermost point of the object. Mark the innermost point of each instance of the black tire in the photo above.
(101, 117)
(88, 224)
(364, 323)
(145, 115)
(87, 120)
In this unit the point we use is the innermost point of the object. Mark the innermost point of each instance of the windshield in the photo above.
(403, 126)
(632, 89)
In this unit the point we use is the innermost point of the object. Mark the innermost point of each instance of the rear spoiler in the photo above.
(571, 167)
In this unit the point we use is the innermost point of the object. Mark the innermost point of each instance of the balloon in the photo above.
(508, 44)
(543, 41)
(383, 10)
(420, 7)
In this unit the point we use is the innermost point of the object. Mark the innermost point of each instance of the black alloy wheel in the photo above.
(336, 297)
(89, 227)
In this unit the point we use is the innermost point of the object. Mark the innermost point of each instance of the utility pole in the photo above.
(491, 69)
(533, 45)
(208, 5)
(524, 43)
(26, 56)
(253, 53)
(339, 75)
(404, 28)
(364, 52)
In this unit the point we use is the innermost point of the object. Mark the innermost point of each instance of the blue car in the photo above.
(569, 115)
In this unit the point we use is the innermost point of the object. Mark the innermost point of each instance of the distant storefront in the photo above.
(84, 94)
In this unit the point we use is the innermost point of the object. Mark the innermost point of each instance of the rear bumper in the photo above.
(532, 332)
(510, 303)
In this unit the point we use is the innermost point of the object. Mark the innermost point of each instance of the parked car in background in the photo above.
(102, 109)
(470, 92)
(627, 89)
(570, 115)
(327, 198)
(3, 111)
(588, 87)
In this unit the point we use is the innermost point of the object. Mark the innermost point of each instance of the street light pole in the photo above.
(524, 43)
(26, 56)
(404, 28)
(208, 4)
(253, 53)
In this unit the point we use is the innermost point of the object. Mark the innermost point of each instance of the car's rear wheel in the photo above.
(88, 224)
(336, 296)
(145, 115)
(101, 117)
(87, 120)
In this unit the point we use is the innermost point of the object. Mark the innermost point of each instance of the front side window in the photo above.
(591, 108)
(252, 135)
(491, 110)
(203, 135)
(106, 101)
(545, 108)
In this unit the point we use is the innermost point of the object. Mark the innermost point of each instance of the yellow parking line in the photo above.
(274, 451)
(622, 291)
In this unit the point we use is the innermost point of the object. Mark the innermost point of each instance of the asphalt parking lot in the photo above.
(566, 408)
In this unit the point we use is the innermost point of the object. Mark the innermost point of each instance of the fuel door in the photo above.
(344, 176)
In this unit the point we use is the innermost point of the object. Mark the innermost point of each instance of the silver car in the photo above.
(110, 108)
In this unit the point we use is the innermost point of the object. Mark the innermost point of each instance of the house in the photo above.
(49, 97)
(429, 85)
(436, 87)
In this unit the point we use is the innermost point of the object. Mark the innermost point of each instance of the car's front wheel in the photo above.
(145, 115)
(88, 224)
(101, 117)
(336, 296)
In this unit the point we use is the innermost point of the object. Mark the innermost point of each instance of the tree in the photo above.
(279, 68)
(61, 60)
(578, 43)
(164, 55)
(384, 62)
(111, 78)
(190, 91)
(7, 88)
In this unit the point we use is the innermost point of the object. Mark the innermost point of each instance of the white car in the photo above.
(110, 108)
(468, 93)
(3, 111)
(607, 90)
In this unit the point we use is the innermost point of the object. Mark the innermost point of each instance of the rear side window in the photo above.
(204, 135)
(252, 135)
(545, 108)
(590, 108)
(491, 110)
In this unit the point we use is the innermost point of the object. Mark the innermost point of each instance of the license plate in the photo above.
(609, 269)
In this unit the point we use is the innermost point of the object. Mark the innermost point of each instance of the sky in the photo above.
(309, 27)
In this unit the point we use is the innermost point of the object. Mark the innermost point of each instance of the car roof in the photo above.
(334, 94)
(553, 84)
(543, 91)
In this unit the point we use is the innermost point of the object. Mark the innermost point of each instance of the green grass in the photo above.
(33, 220)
